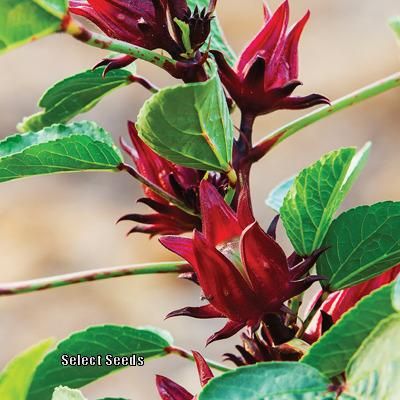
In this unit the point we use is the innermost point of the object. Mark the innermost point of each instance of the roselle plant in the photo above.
(194, 167)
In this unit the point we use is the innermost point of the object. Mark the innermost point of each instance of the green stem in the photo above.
(232, 177)
(295, 304)
(9, 289)
(78, 31)
(356, 97)
(324, 295)
(189, 356)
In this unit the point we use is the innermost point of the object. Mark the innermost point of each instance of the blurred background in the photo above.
(65, 223)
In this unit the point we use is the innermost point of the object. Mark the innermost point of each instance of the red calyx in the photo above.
(152, 24)
(339, 302)
(243, 272)
(180, 182)
(267, 71)
(143, 23)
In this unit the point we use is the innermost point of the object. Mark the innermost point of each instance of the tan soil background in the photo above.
(58, 224)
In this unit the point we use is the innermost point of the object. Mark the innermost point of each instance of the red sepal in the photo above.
(266, 266)
(203, 312)
(230, 329)
(169, 390)
(223, 285)
(219, 220)
(205, 373)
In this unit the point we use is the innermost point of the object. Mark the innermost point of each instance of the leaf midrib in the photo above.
(105, 85)
(334, 198)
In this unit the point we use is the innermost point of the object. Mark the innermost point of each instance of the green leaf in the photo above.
(189, 125)
(332, 352)
(374, 371)
(65, 393)
(394, 23)
(277, 195)
(218, 41)
(316, 194)
(74, 95)
(17, 375)
(185, 31)
(81, 146)
(363, 243)
(95, 341)
(22, 21)
(267, 381)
